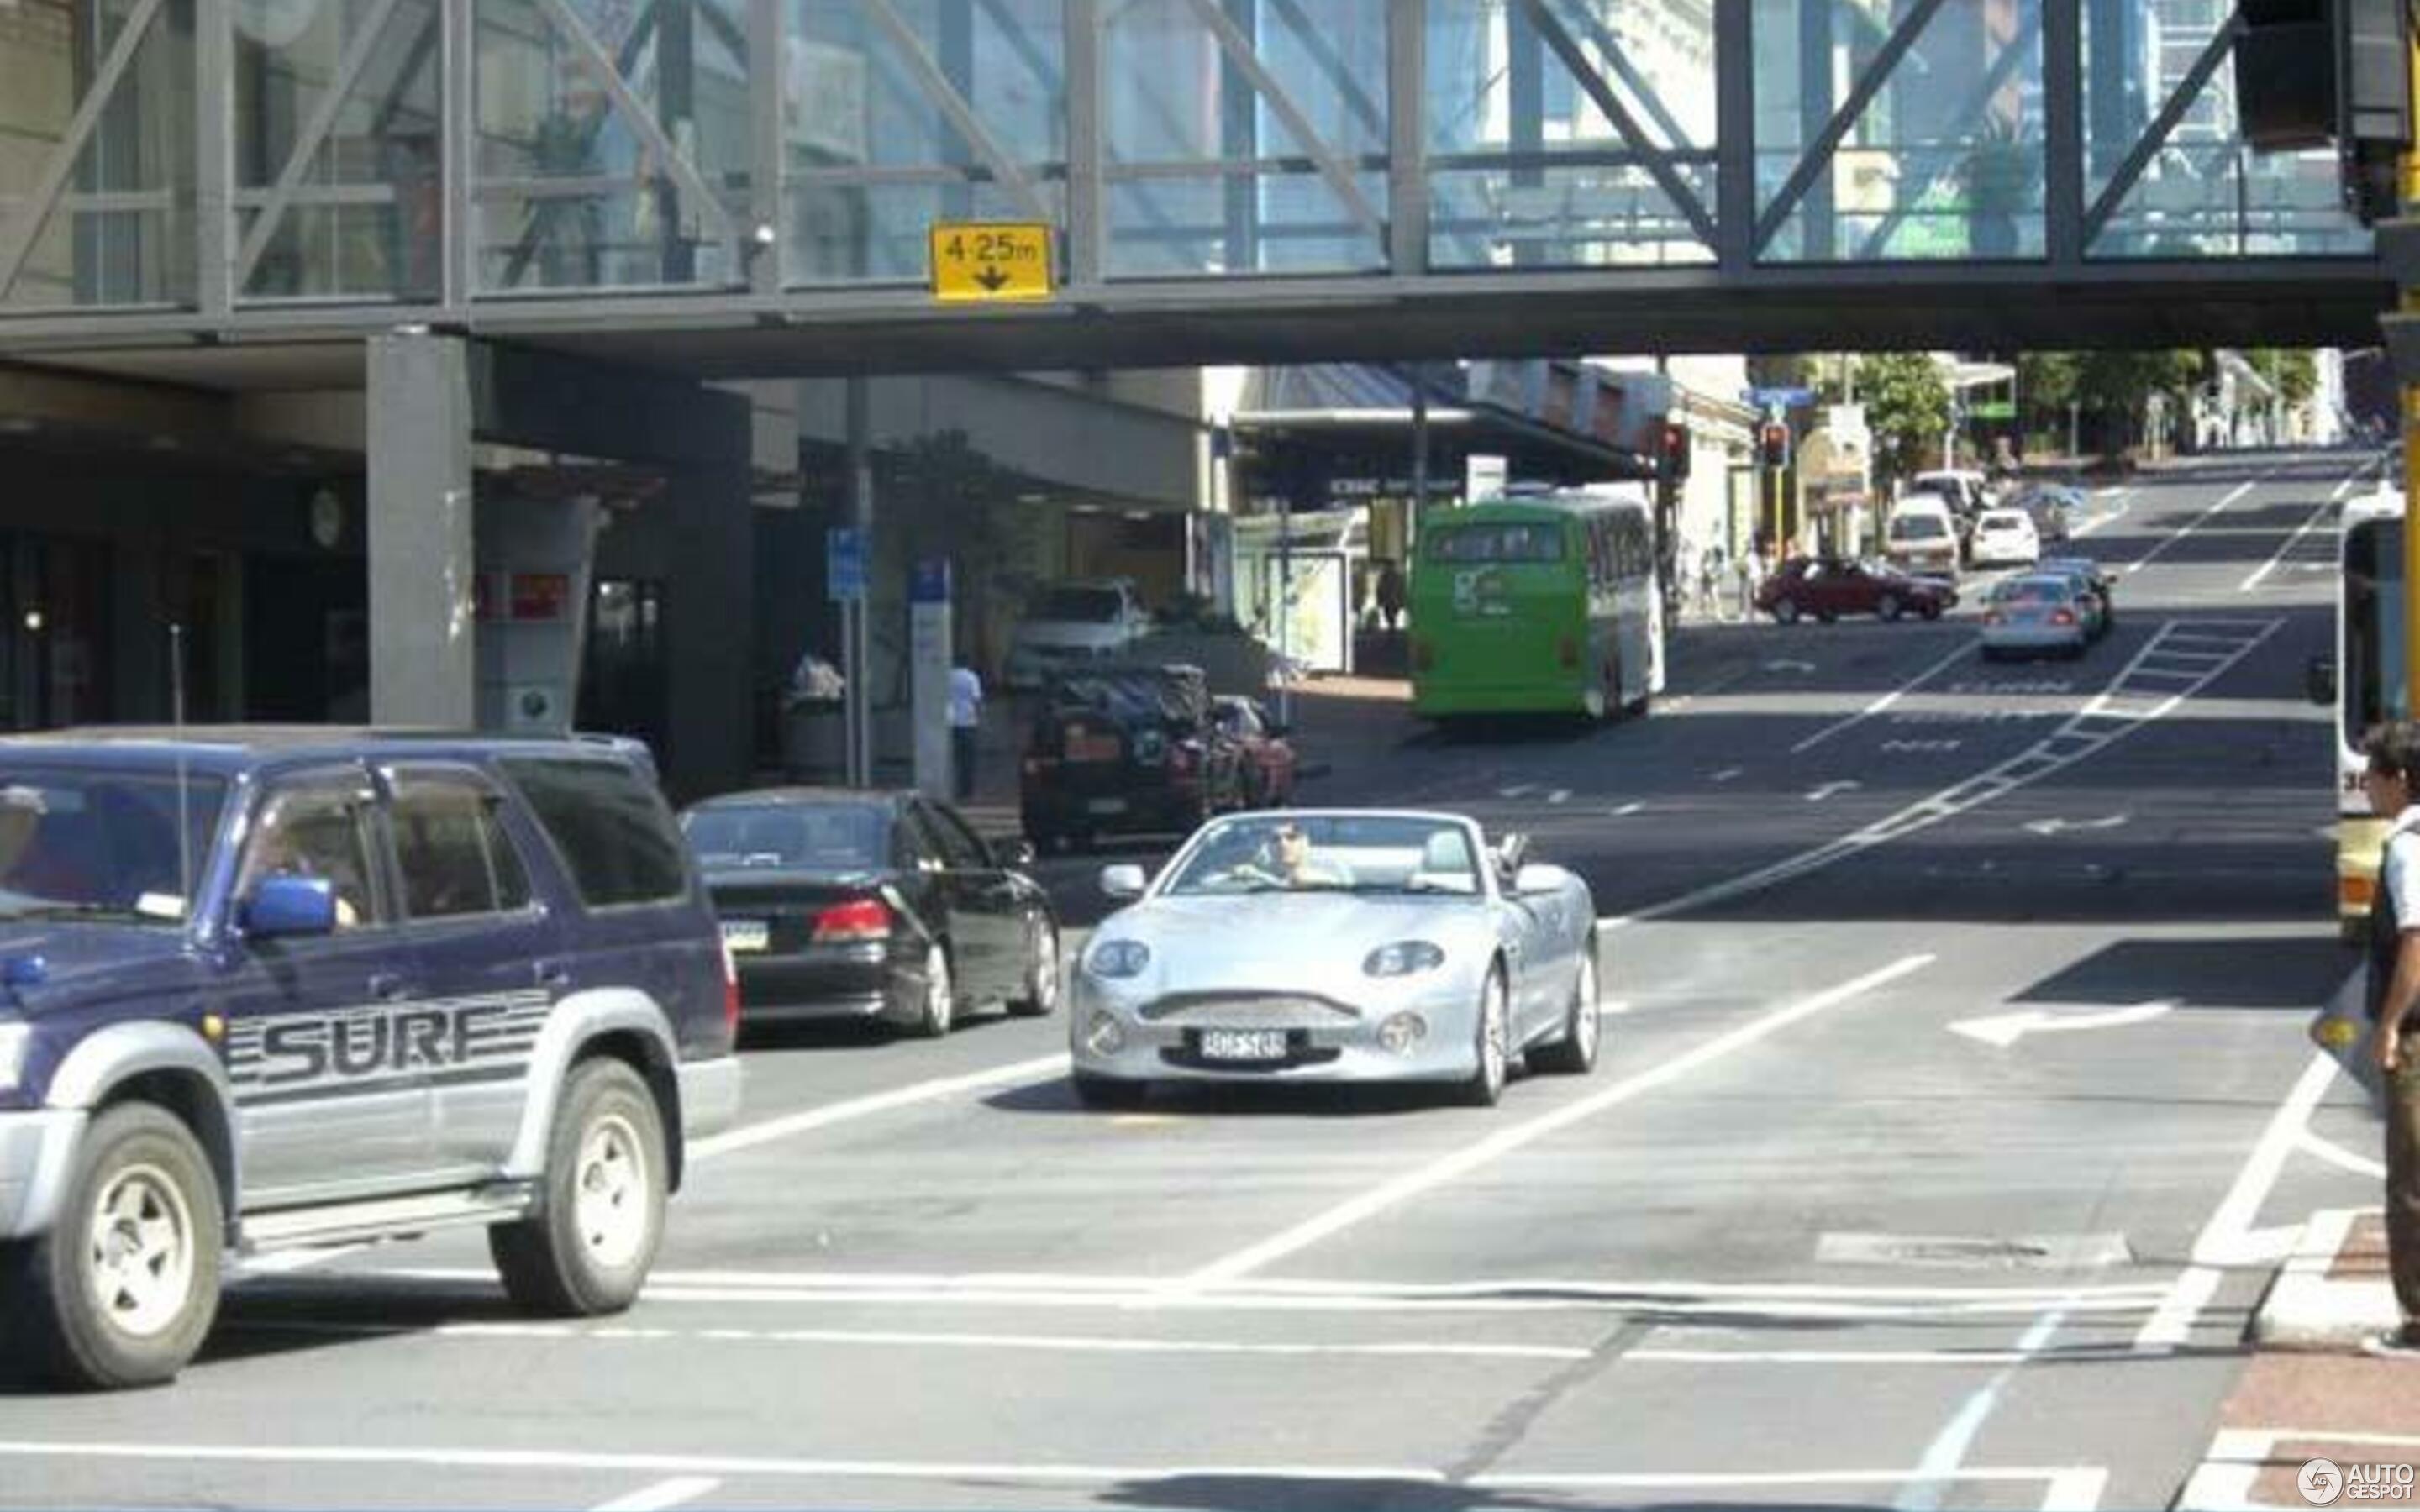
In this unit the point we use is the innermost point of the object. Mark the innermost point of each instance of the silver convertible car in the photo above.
(1337, 946)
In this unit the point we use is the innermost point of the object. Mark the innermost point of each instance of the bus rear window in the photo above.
(1496, 543)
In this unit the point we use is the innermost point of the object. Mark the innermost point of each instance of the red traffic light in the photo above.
(1675, 461)
(1773, 444)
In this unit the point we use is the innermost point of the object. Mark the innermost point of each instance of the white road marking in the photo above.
(1789, 664)
(287, 1261)
(1560, 796)
(663, 1495)
(1832, 790)
(720, 1466)
(2116, 711)
(2005, 1029)
(1694, 1480)
(2118, 513)
(2261, 572)
(2198, 522)
(1948, 1448)
(1461, 1163)
(2076, 1490)
(1629, 808)
(2321, 1149)
(2048, 828)
(1823, 1357)
(1883, 702)
(1728, 773)
(1519, 789)
(2228, 1238)
(748, 1137)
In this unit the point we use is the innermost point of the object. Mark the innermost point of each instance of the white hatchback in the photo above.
(2005, 539)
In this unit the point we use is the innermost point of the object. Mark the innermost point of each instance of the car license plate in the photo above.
(1106, 806)
(1243, 1044)
(1085, 747)
(743, 934)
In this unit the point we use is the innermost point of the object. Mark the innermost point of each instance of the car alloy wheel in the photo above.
(941, 1003)
(1041, 968)
(1786, 611)
(1887, 607)
(1492, 1044)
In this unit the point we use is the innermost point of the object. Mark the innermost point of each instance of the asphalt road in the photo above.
(1809, 1234)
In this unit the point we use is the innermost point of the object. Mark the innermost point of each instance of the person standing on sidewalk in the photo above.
(2392, 780)
(966, 725)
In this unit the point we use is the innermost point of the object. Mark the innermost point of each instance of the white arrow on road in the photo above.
(1832, 790)
(1786, 664)
(2061, 827)
(2005, 1029)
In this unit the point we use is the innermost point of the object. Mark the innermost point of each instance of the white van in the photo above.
(1922, 536)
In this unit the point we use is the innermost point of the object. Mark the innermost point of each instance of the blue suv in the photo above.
(262, 988)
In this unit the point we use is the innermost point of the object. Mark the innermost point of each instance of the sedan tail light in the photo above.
(2062, 616)
(866, 919)
(730, 991)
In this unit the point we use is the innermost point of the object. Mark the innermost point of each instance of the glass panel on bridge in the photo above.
(1943, 157)
(900, 113)
(589, 181)
(108, 220)
(1244, 136)
(1528, 165)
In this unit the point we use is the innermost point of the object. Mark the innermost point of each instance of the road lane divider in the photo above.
(1416, 1182)
(751, 1135)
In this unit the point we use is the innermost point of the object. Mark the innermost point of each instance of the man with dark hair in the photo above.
(2392, 780)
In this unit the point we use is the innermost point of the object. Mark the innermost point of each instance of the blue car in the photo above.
(262, 988)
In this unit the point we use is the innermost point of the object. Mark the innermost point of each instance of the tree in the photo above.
(2294, 374)
(1907, 408)
(938, 499)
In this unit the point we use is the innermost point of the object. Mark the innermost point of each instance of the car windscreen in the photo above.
(1080, 606)
(790, 837)
(1530, 543)
(1330, 853)
(83, 842)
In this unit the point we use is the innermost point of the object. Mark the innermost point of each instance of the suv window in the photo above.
(616, 837)
(455, 860)
(316, 830)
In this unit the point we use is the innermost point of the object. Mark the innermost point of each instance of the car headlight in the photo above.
(1117, 960)
(15, 1039)
(1403, 959)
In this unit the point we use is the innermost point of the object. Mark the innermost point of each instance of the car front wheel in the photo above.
(588, 1248)
(1887, 607)
(1786, 611)
(124, 1288)
(1491, 1045)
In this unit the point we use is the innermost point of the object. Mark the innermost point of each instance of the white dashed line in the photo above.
(1881, 703)
(663, 1495)
(748, 1137)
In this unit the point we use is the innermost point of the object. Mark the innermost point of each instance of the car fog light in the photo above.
(1103, 1037)
(1402, 1033)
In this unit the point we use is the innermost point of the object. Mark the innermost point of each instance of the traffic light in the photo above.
(1674, 464)
(1773, 445)
(2308, 72)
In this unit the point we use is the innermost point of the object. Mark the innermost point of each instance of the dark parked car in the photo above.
(1265, 763)
(1829, 587)
(1129, 749)
(839, 904)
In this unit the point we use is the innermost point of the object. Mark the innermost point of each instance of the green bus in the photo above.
(1543, 603)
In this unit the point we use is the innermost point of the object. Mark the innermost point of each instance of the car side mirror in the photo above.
(1017, 852)
(1122, 883)
(2319, 680)
(291, 908)
(1538, 879)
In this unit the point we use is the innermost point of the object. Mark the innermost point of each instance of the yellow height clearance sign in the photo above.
(982, 262)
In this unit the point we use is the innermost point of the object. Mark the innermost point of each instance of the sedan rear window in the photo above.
(1917, 528)
(840, 838)
(2031, 591)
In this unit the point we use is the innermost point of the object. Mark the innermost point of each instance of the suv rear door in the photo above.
(487, 952)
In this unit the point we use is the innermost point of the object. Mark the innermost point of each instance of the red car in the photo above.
(1265, 765)
(1829, 587)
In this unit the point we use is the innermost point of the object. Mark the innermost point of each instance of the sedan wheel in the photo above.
(941, 994)
(1493, 1045)
(1786, 611)
(1041, 969)
(1887, 607)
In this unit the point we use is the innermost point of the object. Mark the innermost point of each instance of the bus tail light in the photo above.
(2355, 893)
(1567, 650)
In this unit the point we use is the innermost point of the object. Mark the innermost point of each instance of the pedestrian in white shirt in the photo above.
(966, 720)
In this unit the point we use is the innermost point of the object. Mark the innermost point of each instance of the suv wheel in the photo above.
(588, 1248)
(125, 1285)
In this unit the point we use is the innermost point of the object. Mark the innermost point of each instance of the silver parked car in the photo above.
(2036, 614)
(1337, 946)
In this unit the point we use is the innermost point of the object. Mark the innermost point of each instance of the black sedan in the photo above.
(841, 906)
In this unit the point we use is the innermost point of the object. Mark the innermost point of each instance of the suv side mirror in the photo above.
(2319, 680)
(291, 908)
(1123, 883)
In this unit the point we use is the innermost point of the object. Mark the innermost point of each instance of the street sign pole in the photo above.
(856, 642)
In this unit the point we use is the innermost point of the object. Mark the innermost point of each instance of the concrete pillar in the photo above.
(424, 670)
(709, 630)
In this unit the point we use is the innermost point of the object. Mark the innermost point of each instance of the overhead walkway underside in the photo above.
(229, 195)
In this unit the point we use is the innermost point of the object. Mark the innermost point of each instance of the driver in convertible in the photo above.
(1287, 862)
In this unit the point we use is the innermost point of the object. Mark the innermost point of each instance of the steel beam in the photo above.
(768, 153)
(642, 33)
(214, 290)
(458, 151)
(1969, 118)
(322, 119)
(1087, 223)
(1818, 156)
(1407, 169)
(1684, 198)
(1239, 50)
(35, 208)
(2063, 130)
(2155, 136)
(1734, 136)
(583, 41)
(936, 87)
(1618, 58)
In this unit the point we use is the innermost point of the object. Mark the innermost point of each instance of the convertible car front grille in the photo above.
(1250, 1010)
